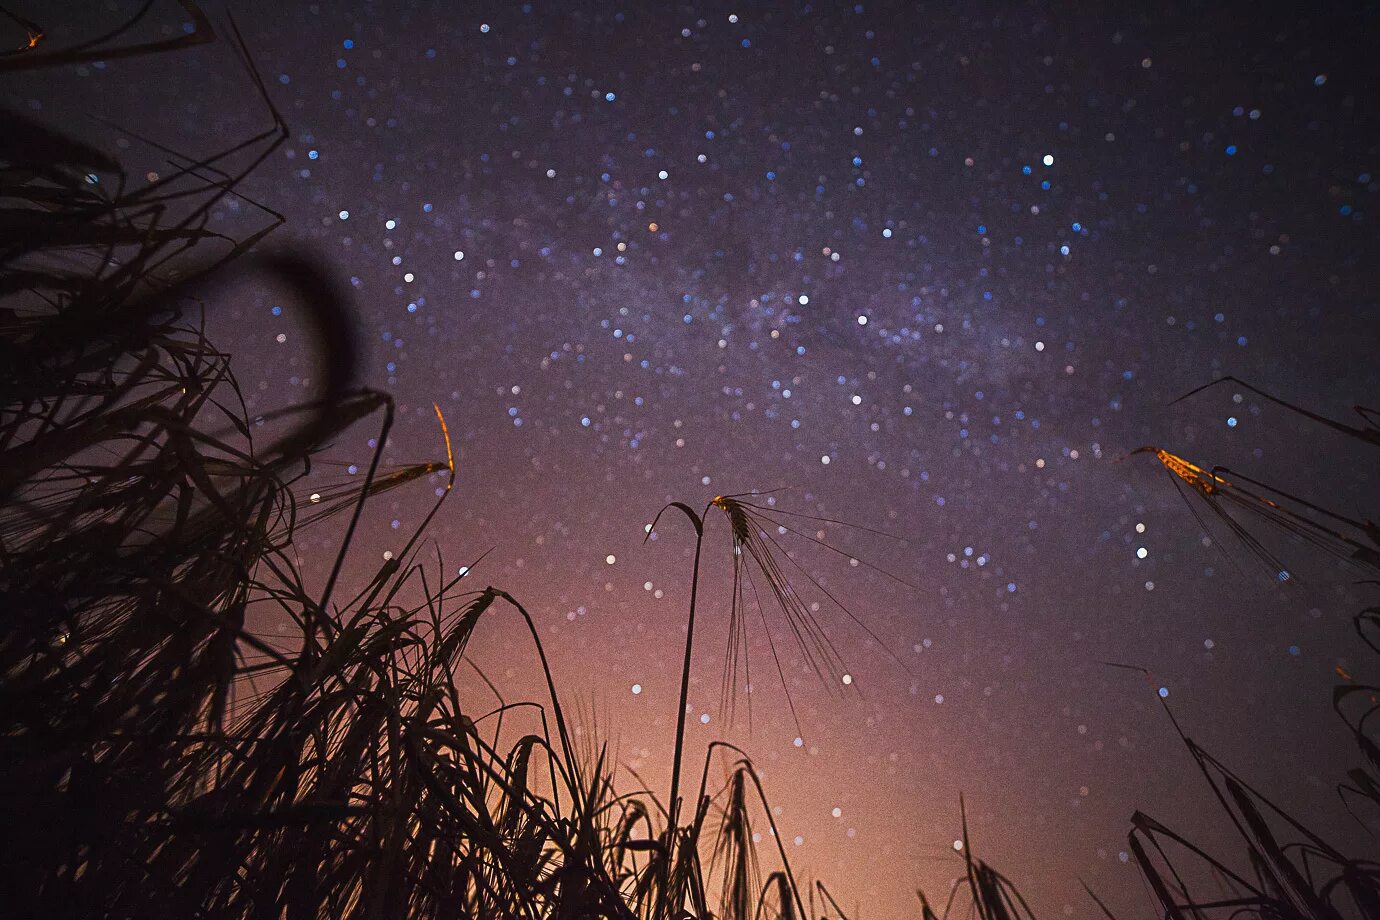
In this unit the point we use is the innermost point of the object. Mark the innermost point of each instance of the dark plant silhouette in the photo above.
(1292, 871)
(160, 754)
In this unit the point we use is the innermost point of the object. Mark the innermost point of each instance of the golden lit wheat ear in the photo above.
(97, 49)
(33, 34)
(1223, 497)
(1290, 515)
(1192, 494)
(1369, 433)
(736, 650)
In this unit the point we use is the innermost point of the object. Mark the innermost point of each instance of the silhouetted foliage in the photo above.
(1293, 871)
(162, 756)
(159, 755)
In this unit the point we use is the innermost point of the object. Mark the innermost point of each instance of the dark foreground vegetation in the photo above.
(160, 757)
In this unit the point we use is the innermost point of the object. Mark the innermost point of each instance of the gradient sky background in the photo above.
(936, 270)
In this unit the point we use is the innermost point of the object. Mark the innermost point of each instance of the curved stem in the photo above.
(674, 801)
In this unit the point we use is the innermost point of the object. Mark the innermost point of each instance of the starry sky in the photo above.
(932, 270)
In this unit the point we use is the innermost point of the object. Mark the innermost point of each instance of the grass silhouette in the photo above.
(1293, 871)
(160, 756)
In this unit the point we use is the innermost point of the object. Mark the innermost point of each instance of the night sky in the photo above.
(930, 271)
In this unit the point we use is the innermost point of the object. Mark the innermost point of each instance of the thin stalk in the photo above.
(685, 680)
(673, 803)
